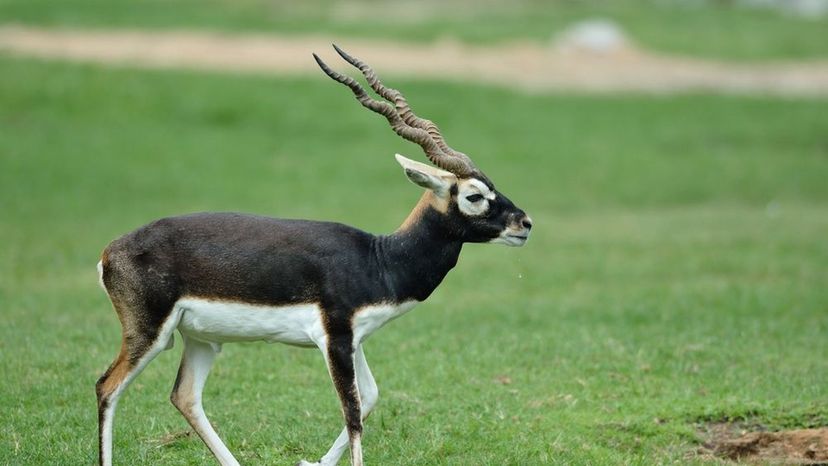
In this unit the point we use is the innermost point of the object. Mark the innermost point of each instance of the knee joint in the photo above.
(181, 400)
(354, 426)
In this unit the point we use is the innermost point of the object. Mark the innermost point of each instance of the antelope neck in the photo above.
(415, 259)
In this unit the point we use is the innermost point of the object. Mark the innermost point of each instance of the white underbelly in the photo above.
(222, 321)
(219, 322)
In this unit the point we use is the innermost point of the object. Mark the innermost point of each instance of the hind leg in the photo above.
(186, 396)
(137, 350)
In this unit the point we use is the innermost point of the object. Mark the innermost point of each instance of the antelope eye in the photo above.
(474, 198)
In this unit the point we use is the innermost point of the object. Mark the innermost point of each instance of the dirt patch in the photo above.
(738, 443)
(527, 66)
(172, 437)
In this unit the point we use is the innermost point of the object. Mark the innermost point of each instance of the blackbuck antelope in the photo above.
(224, 277)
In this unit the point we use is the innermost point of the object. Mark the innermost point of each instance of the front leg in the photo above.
(340, 356)
(368, 395)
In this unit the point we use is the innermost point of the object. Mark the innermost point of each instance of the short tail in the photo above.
(100, 274)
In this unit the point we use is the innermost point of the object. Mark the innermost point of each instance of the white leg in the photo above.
(107, 410)
(121, 373)
(196, 363)
(368, 394)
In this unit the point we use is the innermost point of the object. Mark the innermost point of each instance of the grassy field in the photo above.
(676, 274)
(714, 29)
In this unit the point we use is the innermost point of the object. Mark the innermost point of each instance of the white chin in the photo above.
(510, 240)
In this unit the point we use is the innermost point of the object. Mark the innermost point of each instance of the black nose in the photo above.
(526, 223)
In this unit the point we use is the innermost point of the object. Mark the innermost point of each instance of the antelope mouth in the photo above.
(512, 239)
(516, 240)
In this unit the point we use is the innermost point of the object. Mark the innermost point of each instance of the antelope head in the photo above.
(472, 209)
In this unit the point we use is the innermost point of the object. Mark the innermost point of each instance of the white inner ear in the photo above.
(433, 178)
(471, 187)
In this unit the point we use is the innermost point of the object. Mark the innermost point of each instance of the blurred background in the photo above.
(673, 155)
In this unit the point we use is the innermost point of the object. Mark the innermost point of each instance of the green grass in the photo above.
(713, 29)
(676, 273)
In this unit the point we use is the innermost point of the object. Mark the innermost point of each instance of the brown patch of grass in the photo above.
(743, 443)
(172, 437)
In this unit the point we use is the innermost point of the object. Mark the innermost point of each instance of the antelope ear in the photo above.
(429, 177)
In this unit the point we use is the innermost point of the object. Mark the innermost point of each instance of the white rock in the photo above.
(600, 36)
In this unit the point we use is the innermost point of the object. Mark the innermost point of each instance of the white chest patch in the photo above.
(222, 321)
(369, 319)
